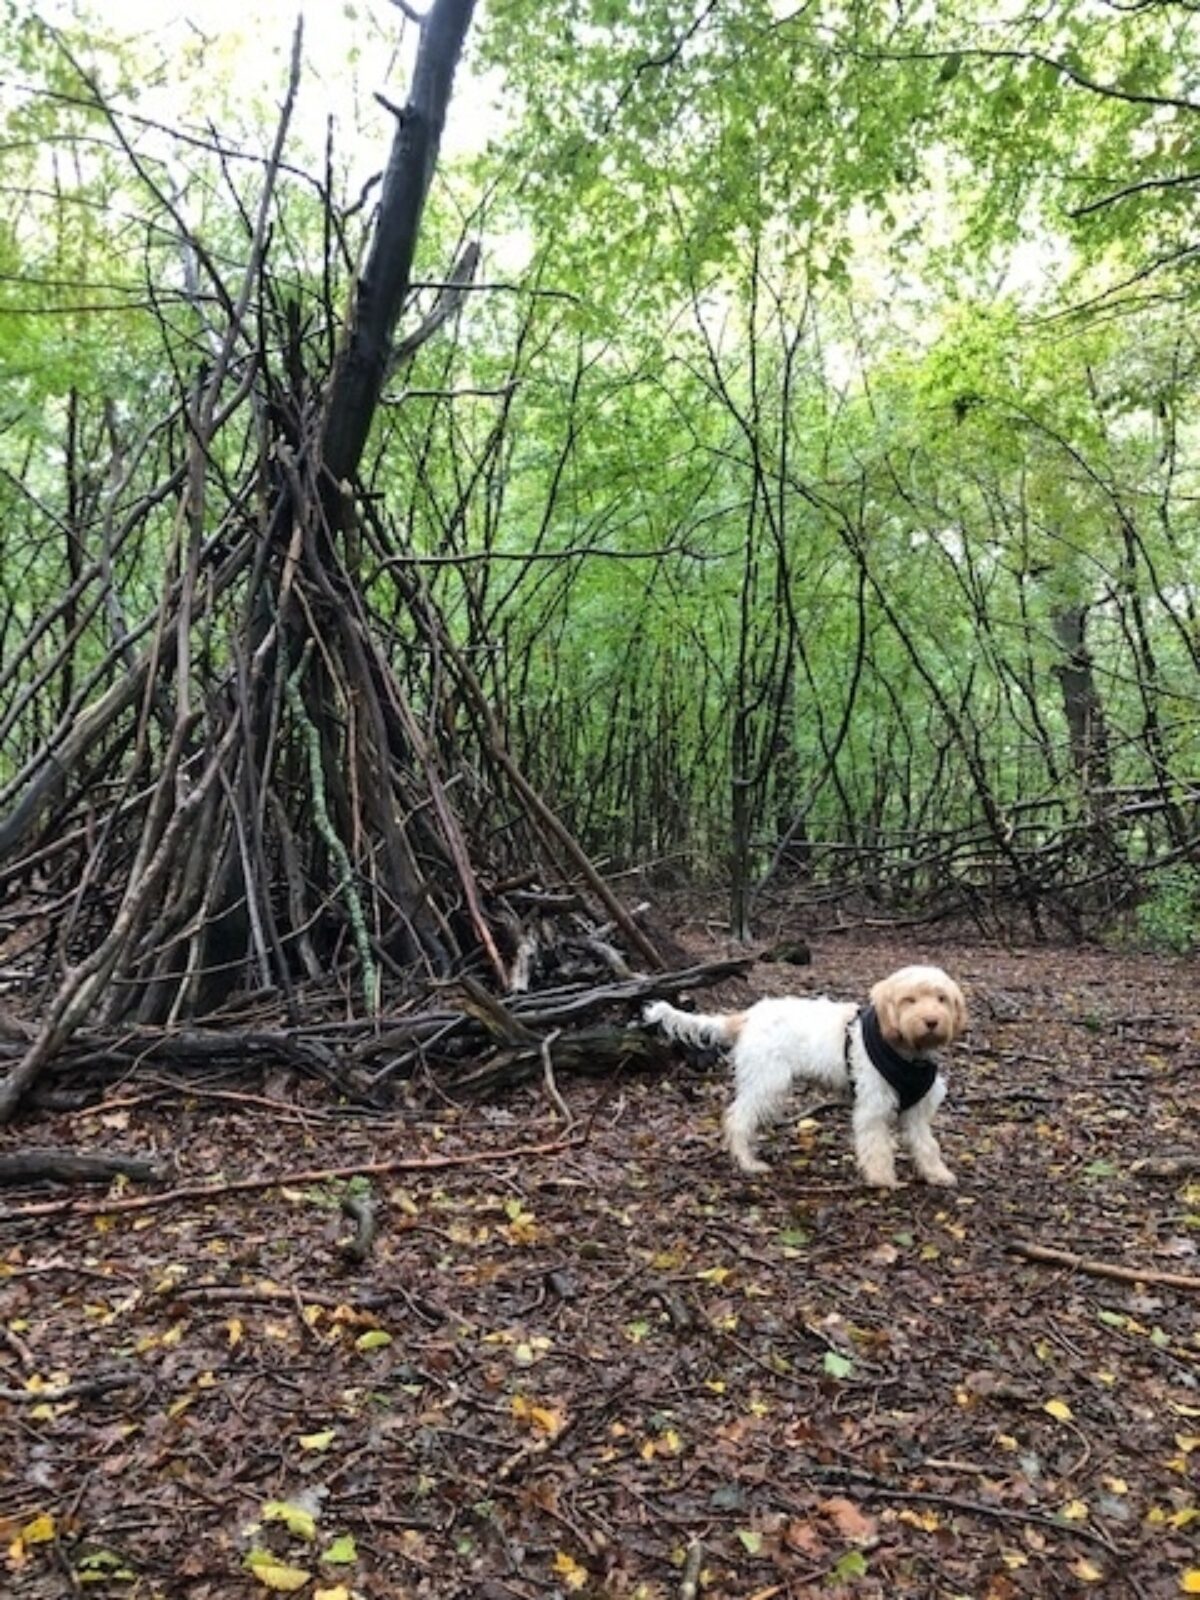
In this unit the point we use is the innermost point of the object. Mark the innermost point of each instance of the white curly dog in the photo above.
(874, 1054)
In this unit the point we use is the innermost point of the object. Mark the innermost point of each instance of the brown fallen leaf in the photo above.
(802, 1537)
(851, 1522)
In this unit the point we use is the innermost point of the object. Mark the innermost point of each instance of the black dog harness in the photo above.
(912, 1080)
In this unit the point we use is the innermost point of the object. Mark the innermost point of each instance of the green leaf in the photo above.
(103, 1566)
(342, 1551)
(852, 1565)
(837, 1366)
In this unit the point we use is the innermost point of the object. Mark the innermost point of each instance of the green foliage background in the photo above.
(827, 368)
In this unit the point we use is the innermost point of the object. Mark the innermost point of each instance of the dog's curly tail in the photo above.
(694, 1027)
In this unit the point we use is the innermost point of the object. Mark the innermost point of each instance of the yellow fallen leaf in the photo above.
(1086, 1572)
(926, 1520)
(1075, 1511)
(235, 1328)
(1116, 1485)
(570, 1571)
(549, 1420)
(317, 1441)
(339, 1593)
(1187, 1442)
(1189, 1581)
(715, 1274)
(275, 1574)
(296, 1519)
(40, 1531)
(1059, 1409)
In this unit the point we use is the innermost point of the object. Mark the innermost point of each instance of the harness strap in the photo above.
(911, 1080)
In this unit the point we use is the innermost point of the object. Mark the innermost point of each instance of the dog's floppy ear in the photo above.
(883, 998)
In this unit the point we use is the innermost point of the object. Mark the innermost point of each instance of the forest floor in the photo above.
(612, 1366)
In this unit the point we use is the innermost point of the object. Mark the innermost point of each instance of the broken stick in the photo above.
(1100, 1269)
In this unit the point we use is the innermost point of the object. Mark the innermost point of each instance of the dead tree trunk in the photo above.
(383, 287)
(1087, 729)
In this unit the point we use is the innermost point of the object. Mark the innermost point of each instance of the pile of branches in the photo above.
(283, 783)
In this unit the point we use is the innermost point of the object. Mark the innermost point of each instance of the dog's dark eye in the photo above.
(940, 997)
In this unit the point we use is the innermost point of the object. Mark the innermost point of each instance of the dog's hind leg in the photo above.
(743, 1119)
(762, 1086)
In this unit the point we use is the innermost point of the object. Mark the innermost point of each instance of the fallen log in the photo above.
(68, 1166)
(82, 1389)
(1168, 1167)
(553, 1008)
(586, 1052)
(483, 1041)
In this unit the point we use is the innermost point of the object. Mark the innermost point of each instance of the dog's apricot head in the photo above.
(919, 1008)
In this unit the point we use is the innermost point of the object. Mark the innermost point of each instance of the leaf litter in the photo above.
(621, 1369)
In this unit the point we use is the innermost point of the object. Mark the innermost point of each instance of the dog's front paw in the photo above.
(940, 1177)
(881, 1179)
(752, 1166)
